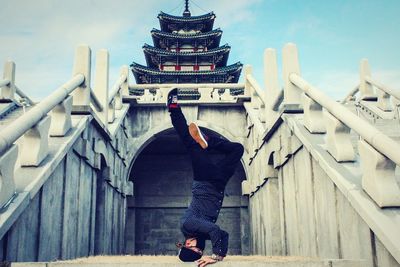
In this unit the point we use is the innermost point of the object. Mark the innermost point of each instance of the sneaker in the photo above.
(198, 136)
(172, 99)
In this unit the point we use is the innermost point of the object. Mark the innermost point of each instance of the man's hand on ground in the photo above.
(205, 260)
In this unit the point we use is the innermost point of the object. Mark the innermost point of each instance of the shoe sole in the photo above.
(197, 136)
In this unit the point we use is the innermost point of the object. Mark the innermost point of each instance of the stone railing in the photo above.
(379, 154)
(52, 116)
(385, 95)
(8, 88)
(106, 102)
(383, 100)
(263, 114)
(198, 93)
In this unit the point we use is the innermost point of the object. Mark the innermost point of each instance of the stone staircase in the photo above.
(172, 261)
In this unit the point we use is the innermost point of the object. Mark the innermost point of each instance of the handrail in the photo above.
(384, 88)
(277, 101)
(256, 87)
(188, 85)
(4, 82)
(370, 134)
(116, 87)
(350, 94)
(23, 95)
(96, 102)
(22, 124)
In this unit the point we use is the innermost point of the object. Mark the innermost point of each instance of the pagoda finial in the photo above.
(186, 13)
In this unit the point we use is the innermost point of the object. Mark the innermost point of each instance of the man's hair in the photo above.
(186, 254)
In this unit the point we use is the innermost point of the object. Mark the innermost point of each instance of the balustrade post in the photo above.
(378, 177)
(226, 95)
(35, 146)
(206, 94)
(292, 94)
(8, 91)
(111, 111)
(61, 118)
(129, 188)
(125, 85)
(271, 81)
(337, 139)
(384, 101)
(157, 97)
(246, 190)
(248, 69)
(7, 184)
(313, 115)
(82, 65)
(366, 90)
(101, 82)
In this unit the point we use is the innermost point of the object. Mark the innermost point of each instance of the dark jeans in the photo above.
(204, 169)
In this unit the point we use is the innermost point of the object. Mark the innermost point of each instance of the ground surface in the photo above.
(174, 259)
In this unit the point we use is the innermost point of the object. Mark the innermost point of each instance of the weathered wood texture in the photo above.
(78, 212)
(317, 220)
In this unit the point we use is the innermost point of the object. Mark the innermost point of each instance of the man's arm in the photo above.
(219, 238)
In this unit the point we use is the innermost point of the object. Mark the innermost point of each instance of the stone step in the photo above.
(172, 261)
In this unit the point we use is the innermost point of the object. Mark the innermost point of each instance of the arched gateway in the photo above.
(161, 172)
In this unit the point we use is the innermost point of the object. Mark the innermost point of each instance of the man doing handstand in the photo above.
(210, 179)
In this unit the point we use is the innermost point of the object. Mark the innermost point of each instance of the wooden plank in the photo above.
(263, 220)
(123, 229)
(326, 221)
(291, 220)
(93, 213)
(354, 233)
(70, 219)
(84, 198)
(51, 216)
(109, 217)
(272, 209)
(305, 203)
(23, 236)
(245, 231)
(282, 215)
(114, 213)
(101, 219)
(130, 231)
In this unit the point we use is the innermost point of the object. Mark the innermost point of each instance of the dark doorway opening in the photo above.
(162, 177)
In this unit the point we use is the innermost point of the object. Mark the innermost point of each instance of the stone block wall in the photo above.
(302, 212)
(80, 208)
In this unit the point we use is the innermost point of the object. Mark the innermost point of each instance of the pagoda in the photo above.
(186, 50)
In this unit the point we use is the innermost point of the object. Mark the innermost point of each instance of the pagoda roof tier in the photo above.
(164, 40)
(155, 56)
(170, 23)
(146, 75)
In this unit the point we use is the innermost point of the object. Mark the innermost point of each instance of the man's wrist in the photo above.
(217, 257)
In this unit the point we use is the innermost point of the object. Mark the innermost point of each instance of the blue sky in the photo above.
(332, 36)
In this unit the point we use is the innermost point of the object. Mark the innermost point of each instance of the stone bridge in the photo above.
(91, 171)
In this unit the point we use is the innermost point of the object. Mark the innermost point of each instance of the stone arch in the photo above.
(156, 205)
(140, 143)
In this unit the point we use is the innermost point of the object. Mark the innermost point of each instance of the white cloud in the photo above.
(41, 35)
